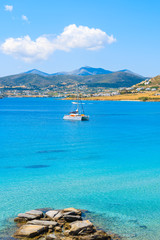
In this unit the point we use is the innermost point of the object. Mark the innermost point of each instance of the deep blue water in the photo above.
(109, 165)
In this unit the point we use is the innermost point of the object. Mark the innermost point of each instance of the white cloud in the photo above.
(83, 37)
(72, 37)
(8, 8)
(27, 49)
(24, 18)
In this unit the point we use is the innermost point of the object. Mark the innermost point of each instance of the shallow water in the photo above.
(109, 165)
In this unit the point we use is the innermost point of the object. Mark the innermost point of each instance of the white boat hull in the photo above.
(76, 118)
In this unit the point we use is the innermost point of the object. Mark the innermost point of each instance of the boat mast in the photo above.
(77, 97)
(79, 101)
(81, 104)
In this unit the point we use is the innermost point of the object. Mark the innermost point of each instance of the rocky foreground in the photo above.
(66, 224)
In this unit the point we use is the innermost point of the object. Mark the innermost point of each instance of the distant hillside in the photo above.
(113, 80)
(91, 77)
(35, 71)
(84, 71)
(155, 81)
(152, 82)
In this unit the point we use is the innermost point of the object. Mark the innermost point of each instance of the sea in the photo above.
(109, 165)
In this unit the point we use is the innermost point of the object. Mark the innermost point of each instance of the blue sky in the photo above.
(62, 35)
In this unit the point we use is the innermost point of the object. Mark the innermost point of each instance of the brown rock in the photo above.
(58, 229)
(81, 228)
(98, 235)
(30, 231)
(43, 223)
(51, 214)
(27, 216)
(58, 216)
(71, 218)
(51, 237)
(20, 220)
(35, 213)
(24, 217)
(71, 209)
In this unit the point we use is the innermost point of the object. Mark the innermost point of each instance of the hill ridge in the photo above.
(37, 79)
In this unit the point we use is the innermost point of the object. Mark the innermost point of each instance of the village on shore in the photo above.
(147, 90)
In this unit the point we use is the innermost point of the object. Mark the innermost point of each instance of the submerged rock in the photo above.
(99, 235)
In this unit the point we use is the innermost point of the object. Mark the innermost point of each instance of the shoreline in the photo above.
(152, 96)
(139, 97)
(94, 99)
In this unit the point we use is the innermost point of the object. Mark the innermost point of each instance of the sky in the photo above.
(63, 35)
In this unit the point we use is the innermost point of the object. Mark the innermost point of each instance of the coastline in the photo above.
(138, 97)
(153, 96)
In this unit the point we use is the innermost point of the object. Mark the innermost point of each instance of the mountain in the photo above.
(85, 71)
(115, 80)
(92, 78)
(35, 71)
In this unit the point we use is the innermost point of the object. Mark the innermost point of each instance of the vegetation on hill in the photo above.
(111, 80)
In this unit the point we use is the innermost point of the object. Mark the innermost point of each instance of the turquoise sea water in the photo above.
(109, 165)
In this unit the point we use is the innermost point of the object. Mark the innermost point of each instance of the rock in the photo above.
(22, 217)
(71, 213)
(58, 229)
(35, 213)
(58, 216)
(67, 224)
(98, 235)
(51, 214)
(20, 220)
(117, 237)
(43, 223)
(30, 231)
(51, 236)
(27, 216)
(71, 218)
(45, 219)
(143, 226)
(81, 227)
(76, 211)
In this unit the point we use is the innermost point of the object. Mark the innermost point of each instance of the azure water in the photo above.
(109, 165)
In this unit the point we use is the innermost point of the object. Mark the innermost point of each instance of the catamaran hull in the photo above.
(76, 118)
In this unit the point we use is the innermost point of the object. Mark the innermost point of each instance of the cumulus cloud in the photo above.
(8, 8)
(82, 37)
(72, 37)
(24, 18)
(27, 49)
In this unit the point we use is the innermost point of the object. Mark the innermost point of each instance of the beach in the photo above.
(151, 96)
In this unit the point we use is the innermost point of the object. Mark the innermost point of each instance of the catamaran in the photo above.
(78, 114)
